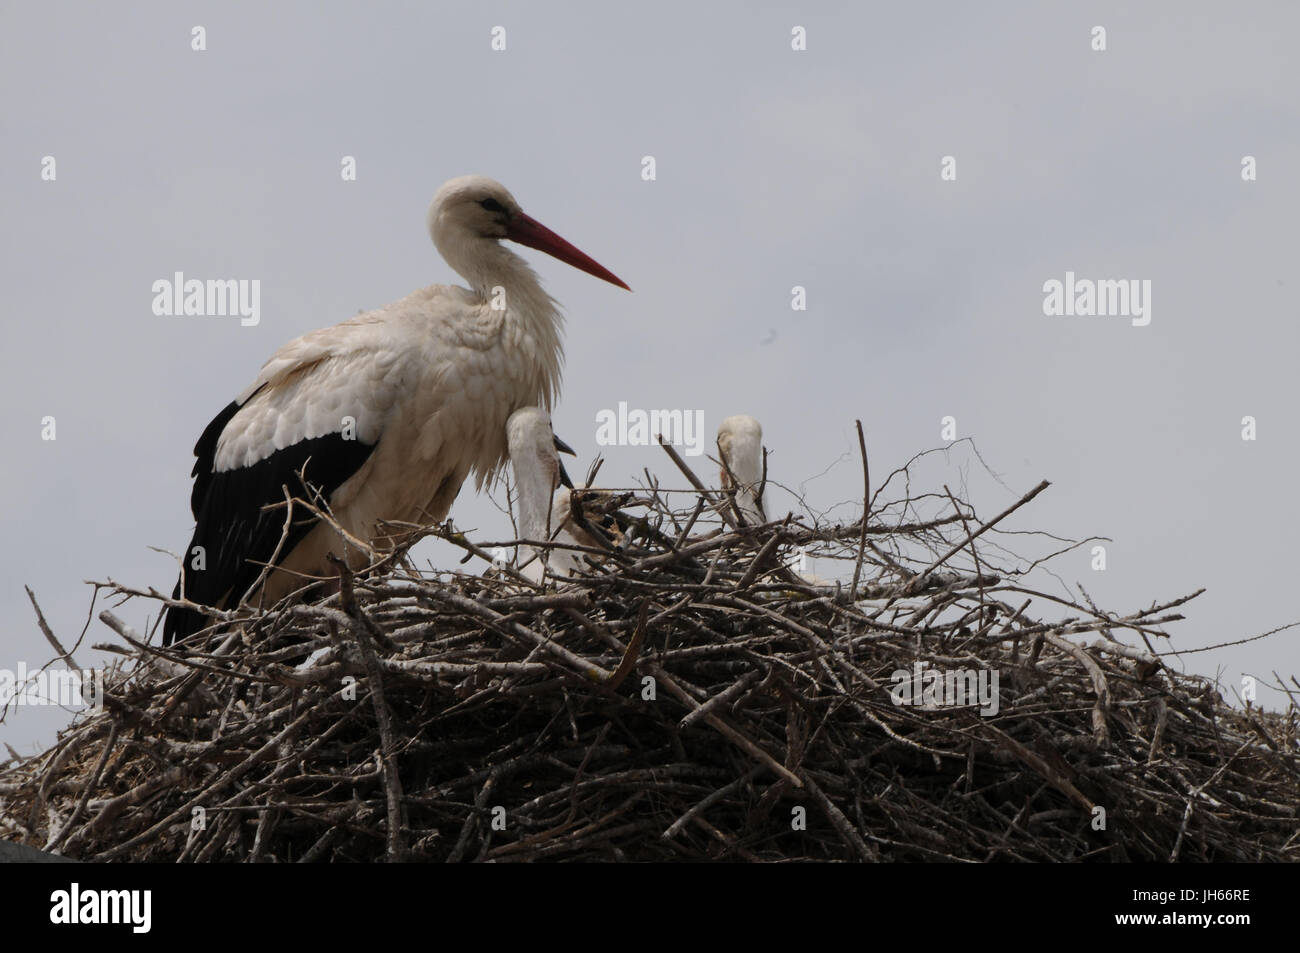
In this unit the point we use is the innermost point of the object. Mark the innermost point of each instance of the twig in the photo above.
(866, 513)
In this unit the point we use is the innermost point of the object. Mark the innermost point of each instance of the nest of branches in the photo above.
(695, 694)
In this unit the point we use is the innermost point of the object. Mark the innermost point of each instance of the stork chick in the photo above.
(740, 444)
(544, 505)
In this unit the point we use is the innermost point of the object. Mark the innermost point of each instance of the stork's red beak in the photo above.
(528, 231)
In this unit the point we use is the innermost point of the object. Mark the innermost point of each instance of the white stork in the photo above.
(544, 495)
(385, 414)
(536, 466)
(545, 509)
(567, 562)
(740, 443)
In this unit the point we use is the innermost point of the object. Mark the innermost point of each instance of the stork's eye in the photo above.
(492, 205)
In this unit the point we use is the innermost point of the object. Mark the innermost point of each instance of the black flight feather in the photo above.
(237, 535)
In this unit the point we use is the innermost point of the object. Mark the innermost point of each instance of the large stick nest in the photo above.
(690, 697)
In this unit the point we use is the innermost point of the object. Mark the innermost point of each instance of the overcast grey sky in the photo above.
(775, 168)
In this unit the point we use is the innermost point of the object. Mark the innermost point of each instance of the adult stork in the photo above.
(381, 417)
(740, 443)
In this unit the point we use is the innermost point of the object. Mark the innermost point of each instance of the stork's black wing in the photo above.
(234, 533)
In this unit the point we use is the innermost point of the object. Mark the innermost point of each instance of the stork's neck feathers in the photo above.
(498, 276)
(537, 470)
(535, 485)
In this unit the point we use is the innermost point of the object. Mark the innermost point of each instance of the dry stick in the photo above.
(866, 512)
(690, 524)
(266, 752)
(574, 837)
(1182, 830)
(1196, 792)
(675, 828)
(758, 561)
(231, 805)
(633, 649)
(1012, 621)
(975, 556)
(221, 616)
(318, 849)
(1162, 720)
(711, 542)
(1223, 645)
(110, 808)
(269, 816)
(363, 627)
(684, 601)
(376, 558)
(223, 831)
(471, 818)
(1282, 685)
(1044, 770)
(971, 537)
(580, 665)
(988, 627)
(90, 784)
(275, 554)
(1100, 730)
(1106, 631)
(736, 522)
(57, 756)
(1125, 651)
(1135, 620)
(1268, 740)
(457, 538)
(719, 505)
(841, 824)
(731, 486)
(537, 603)
(90, 617)
(728, 694)
(430, 671)
(49, 634)
(601, 633)
(192, 679)
(823, 647)
(727, 731)
(726, 841)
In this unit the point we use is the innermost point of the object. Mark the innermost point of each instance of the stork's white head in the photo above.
(470, 214)
(474, 204)
(740, 442)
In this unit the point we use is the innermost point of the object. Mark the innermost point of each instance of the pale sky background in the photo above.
(775, 168)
